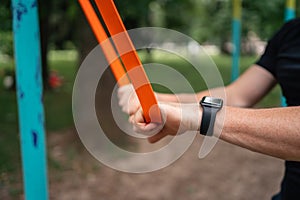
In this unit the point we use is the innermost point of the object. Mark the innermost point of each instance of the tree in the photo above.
(44, 11)
(6, 38)
(62, 21)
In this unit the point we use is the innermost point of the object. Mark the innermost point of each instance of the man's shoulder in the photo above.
(292, 24)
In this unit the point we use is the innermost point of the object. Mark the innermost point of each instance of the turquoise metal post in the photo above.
(29, 95)
(290, 13)
(236, 34)
(290, 10)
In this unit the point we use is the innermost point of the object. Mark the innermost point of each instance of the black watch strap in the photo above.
(208, 120)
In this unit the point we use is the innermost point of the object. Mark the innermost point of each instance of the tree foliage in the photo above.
(204, 20)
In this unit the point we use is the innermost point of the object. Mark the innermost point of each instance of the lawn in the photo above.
(58, 103)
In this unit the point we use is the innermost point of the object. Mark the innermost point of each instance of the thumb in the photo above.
(155, 114)
(142, 127)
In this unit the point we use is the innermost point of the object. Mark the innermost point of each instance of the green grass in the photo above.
(58, 103)
(9, 139)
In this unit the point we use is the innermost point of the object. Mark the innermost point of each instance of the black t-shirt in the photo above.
(282, 59)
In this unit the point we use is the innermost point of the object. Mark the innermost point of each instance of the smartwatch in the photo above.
(210, 107)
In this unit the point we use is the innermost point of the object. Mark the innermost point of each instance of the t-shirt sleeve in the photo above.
(269, 58)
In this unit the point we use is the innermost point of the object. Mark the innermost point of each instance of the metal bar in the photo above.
(290, 10)
(29, 95)
(290, 13)
(236, 34)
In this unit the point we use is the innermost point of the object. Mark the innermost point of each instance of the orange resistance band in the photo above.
(104, 42)
(130, 59)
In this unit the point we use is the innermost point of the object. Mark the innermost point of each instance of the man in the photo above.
(274, 131)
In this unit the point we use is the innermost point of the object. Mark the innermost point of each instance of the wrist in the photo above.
(219, 123)
(199, 119)
(191, 117)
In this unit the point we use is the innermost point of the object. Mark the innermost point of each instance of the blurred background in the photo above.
(66, 38)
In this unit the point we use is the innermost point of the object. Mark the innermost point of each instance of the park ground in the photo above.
(228, 172)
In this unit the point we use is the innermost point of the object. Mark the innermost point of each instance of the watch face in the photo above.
(212, 101)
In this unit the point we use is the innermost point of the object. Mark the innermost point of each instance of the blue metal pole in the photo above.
(236, 34)
(29, 95)
(290, 10)
(290, 13)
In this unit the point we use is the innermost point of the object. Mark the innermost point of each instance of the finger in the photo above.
(124, 99)
(121, 92)
(125, 105)
(139, 116)
(132, 109)
(125, 88)
(155, 138)
(146, 129)
(131, 119)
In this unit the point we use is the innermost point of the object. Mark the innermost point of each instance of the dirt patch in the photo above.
(228, 172)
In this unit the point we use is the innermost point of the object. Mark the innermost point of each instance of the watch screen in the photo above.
(214, 101)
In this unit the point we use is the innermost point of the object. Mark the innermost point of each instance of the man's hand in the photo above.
(128, 99)
(177, 119)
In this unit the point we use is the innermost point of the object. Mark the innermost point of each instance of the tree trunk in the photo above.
(85, 39)
(44, 11)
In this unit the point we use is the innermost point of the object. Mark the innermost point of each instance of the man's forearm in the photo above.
(176, 98)
(189, 98)
(274, 132)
